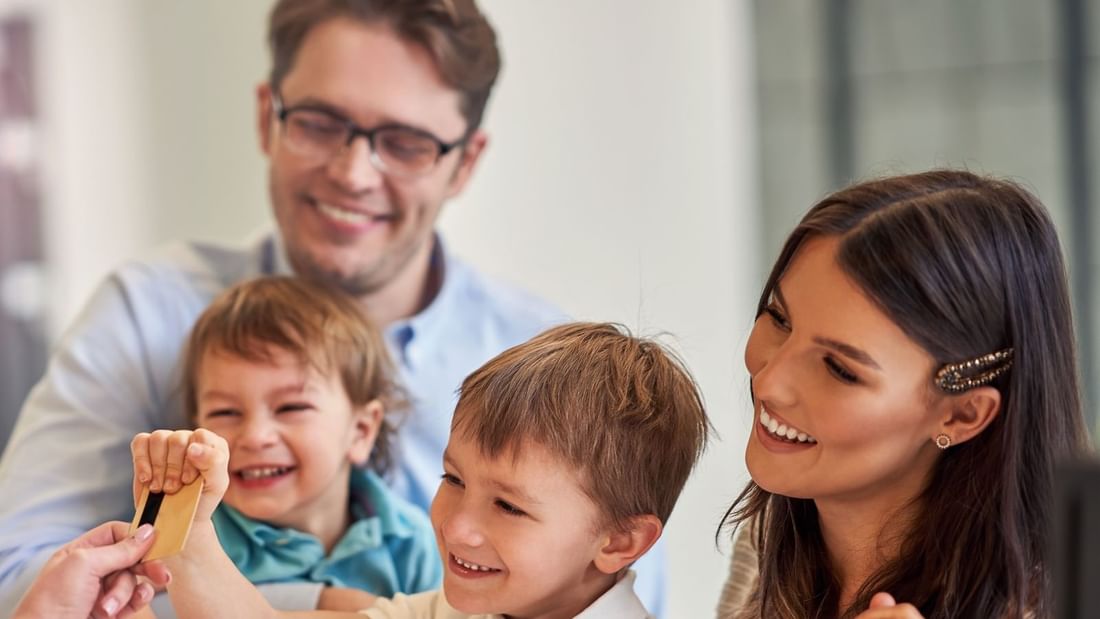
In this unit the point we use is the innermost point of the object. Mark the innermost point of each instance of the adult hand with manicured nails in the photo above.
(96, 575)
(883, 606)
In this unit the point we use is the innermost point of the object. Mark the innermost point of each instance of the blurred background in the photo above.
(647, 158)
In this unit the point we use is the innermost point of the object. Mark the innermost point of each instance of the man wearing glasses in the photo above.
(370, 122)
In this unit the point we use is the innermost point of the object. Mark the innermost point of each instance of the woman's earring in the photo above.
(943, 441)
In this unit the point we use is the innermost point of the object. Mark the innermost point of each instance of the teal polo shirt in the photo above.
(389, 548)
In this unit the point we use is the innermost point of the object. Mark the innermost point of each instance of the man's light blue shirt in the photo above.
(116, 372)
(389, 548)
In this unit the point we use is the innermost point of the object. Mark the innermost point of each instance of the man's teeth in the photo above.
(781, 430)
(473, 566)
(344, 215)
(261, 473)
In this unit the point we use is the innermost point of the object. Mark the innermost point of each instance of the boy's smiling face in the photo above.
(517, 534)
(293, 435)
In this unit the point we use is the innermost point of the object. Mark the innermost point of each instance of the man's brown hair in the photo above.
(455, 34)
(622, 410)
(320, 326)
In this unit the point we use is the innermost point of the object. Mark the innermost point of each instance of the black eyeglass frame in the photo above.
(354, 130)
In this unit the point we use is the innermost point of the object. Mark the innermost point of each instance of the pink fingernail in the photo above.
(143, 532)
(194, 449)
(110, 606)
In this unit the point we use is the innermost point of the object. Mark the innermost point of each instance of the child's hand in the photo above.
(168, 460)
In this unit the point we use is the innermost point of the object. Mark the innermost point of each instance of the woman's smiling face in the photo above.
(848, 387)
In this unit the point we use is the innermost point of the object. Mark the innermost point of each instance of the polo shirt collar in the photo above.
(402, 333)
(371, 525)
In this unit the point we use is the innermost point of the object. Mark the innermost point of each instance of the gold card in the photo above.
(171, 516)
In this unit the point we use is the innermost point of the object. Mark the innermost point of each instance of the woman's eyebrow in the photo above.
(849, 351)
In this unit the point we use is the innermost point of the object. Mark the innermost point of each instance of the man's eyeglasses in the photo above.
(394, 149)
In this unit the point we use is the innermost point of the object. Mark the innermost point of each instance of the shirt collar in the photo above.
(277, 262)
(369, 489)
(620, 601)
(403, 334)
(375, 508)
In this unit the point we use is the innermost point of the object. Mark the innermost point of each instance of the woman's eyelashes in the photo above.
(779, 319)
(840, 372)
(452, 480)
(837, 369)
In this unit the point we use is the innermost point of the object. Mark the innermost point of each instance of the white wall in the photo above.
(148, 118)
(93, 160)
(620, 181)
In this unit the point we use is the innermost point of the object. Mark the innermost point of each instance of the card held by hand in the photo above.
(171, 516)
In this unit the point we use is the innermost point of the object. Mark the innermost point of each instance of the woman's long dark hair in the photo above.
(965, 266)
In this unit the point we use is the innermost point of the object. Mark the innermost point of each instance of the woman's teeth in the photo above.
(783, 431)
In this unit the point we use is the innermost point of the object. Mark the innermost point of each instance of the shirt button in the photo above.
(282, 541)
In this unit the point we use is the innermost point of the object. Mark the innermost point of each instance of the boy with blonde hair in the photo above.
(565, 459)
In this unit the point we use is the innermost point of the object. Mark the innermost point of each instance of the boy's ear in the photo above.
(366, 421)
(621, 548)
(969, 413)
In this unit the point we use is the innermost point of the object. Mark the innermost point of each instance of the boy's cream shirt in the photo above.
(619, 602)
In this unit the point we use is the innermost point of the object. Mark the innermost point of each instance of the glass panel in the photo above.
(22, 338)
(933, 83)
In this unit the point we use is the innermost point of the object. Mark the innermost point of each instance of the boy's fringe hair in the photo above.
(622, 410)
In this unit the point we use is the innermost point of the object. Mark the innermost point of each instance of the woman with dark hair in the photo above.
(914, 382)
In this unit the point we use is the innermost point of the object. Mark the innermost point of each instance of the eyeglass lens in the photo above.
(399, 150)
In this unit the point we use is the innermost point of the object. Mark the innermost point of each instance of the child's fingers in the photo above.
(206, 437)
(218, 447)
(173, 463)
(143, 471)
(158, 458)
(139, 449)
(210, 455)
(190, 472)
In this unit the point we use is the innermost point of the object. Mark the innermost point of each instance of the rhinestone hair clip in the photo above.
(959, 377)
